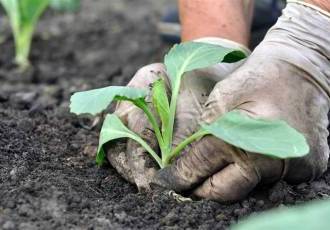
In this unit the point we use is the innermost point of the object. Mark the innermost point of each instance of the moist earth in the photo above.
(48, 178)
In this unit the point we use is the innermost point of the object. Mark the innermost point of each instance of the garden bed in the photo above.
(48, 178)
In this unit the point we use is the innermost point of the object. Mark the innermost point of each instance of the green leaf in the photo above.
(113, 129)
(160, 101)
(31, 10)
(12, 9)
(23, 16)
(189, 56)
(65, 5)
(268, 137)
(310, 216)
(97, 100)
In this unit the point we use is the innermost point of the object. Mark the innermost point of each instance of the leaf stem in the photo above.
(177, 150)
(169, 131)
(23, 40)
(153, 122)
(148, 148)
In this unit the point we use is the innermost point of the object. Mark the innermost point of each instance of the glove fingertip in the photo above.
(167, 178)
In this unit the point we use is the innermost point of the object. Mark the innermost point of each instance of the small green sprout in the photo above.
(274, 138)
(23, 16)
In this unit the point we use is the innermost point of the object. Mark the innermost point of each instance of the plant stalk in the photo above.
(169, 132)
(153, 122)
(177, 150)
(149, 149)
(23, 41)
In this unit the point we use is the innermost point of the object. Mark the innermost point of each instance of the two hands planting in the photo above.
(238, 125)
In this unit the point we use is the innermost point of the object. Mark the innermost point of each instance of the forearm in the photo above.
(217, 18)
(323, 4)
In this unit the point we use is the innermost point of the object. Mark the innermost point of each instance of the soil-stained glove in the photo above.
(286, 77)
(132, 162)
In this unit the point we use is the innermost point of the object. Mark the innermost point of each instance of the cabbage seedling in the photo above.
(23, 16)
(274, 138)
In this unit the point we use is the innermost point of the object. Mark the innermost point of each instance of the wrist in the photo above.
(323, 4)
(216, 18)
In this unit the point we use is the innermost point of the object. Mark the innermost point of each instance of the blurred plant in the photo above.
(23, 16)
(65, 5)
(311, 216)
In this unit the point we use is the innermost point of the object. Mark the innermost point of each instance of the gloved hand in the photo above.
(286, 77)
(132, 161)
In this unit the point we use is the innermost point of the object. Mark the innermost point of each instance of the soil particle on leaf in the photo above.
(48, 176)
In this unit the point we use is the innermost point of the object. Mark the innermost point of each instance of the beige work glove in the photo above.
(286, 77)
(132, 161)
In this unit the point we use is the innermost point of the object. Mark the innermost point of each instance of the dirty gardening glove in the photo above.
(286, 77)
(132, 161)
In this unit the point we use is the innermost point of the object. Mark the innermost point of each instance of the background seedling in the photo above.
(269, 137)
(65, 5)
(23, 16)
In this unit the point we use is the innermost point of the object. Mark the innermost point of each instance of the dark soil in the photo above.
(48, 179)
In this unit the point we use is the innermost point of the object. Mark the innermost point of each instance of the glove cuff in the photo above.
(225, 43)
(301, 38)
